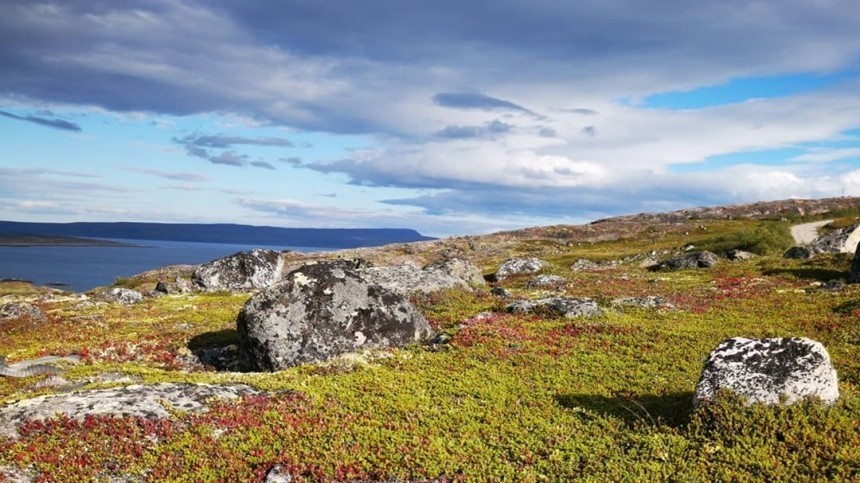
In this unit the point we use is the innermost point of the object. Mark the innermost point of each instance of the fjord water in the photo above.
(80, 268)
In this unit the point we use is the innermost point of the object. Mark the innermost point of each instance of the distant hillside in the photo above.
(220, 233)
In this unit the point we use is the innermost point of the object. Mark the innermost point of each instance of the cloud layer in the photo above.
(494, 109)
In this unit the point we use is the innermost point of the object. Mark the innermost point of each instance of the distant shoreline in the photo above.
(56, 241)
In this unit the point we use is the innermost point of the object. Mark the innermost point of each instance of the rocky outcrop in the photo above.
(322, 310)
(844, 240)
(769, 371)
(799, 252)
(125, 296)
(22, 311)
(410, 278)
(567, 307)
(546, 281)
(518, 266)
(249, 270)
(854, 273)
(703, 259)
(144, 400)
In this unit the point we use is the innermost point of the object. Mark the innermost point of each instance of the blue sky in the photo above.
(446, 117)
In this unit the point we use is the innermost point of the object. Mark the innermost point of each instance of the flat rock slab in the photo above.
(143, 400)
(568, 307)
(769, 371)
(410, 278)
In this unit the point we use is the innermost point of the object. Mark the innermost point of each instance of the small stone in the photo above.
(120, 295)
(584, 264)
(703, 259)
(798, 253)
(739, 255)
(546, 281)
(500, 292)
(278, 474)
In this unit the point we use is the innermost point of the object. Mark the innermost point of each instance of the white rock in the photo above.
(769, 371)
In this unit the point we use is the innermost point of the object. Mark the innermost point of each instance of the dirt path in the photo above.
(806, 233)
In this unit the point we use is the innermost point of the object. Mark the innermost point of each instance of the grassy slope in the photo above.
(510, 398)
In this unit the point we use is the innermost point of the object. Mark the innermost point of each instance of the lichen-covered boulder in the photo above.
(22, 311)
(703, 259)
(799, 253)
(144, 400)
(769, 371)
(739, 255)
(410, 278)
(518, 266)
(124, 296)
(565, 306)
(323, 310)
(249, 270)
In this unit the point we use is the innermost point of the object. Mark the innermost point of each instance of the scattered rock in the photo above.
(322, 310)
(565, 306)
(518, 266)
(769, 371)
(704, 259)
(178, 286)
(143, 400)
(125, 296)
(834, 285)
(649, 262)
(278, 474)
(22, 311)
(799, 252)
(409, 278)
(546, 281)
(500, 292)
(249, 270)
(739, 255)
(646, 302)
(584, 264)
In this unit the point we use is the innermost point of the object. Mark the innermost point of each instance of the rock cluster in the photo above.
(249, 270)
(565, 306)
(769, 371)
(844, 240)
(322, 310)
(646, 302)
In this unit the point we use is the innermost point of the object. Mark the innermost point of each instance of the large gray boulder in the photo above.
(144, 400)
(565, 306)
(323, 310)
(410, 278)
(518, 266)
(249, 270)
(703, 259)
(769, 371)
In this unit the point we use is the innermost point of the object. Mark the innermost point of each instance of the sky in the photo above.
(450, 118)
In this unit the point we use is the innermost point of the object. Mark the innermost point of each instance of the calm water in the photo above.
(82, 268)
